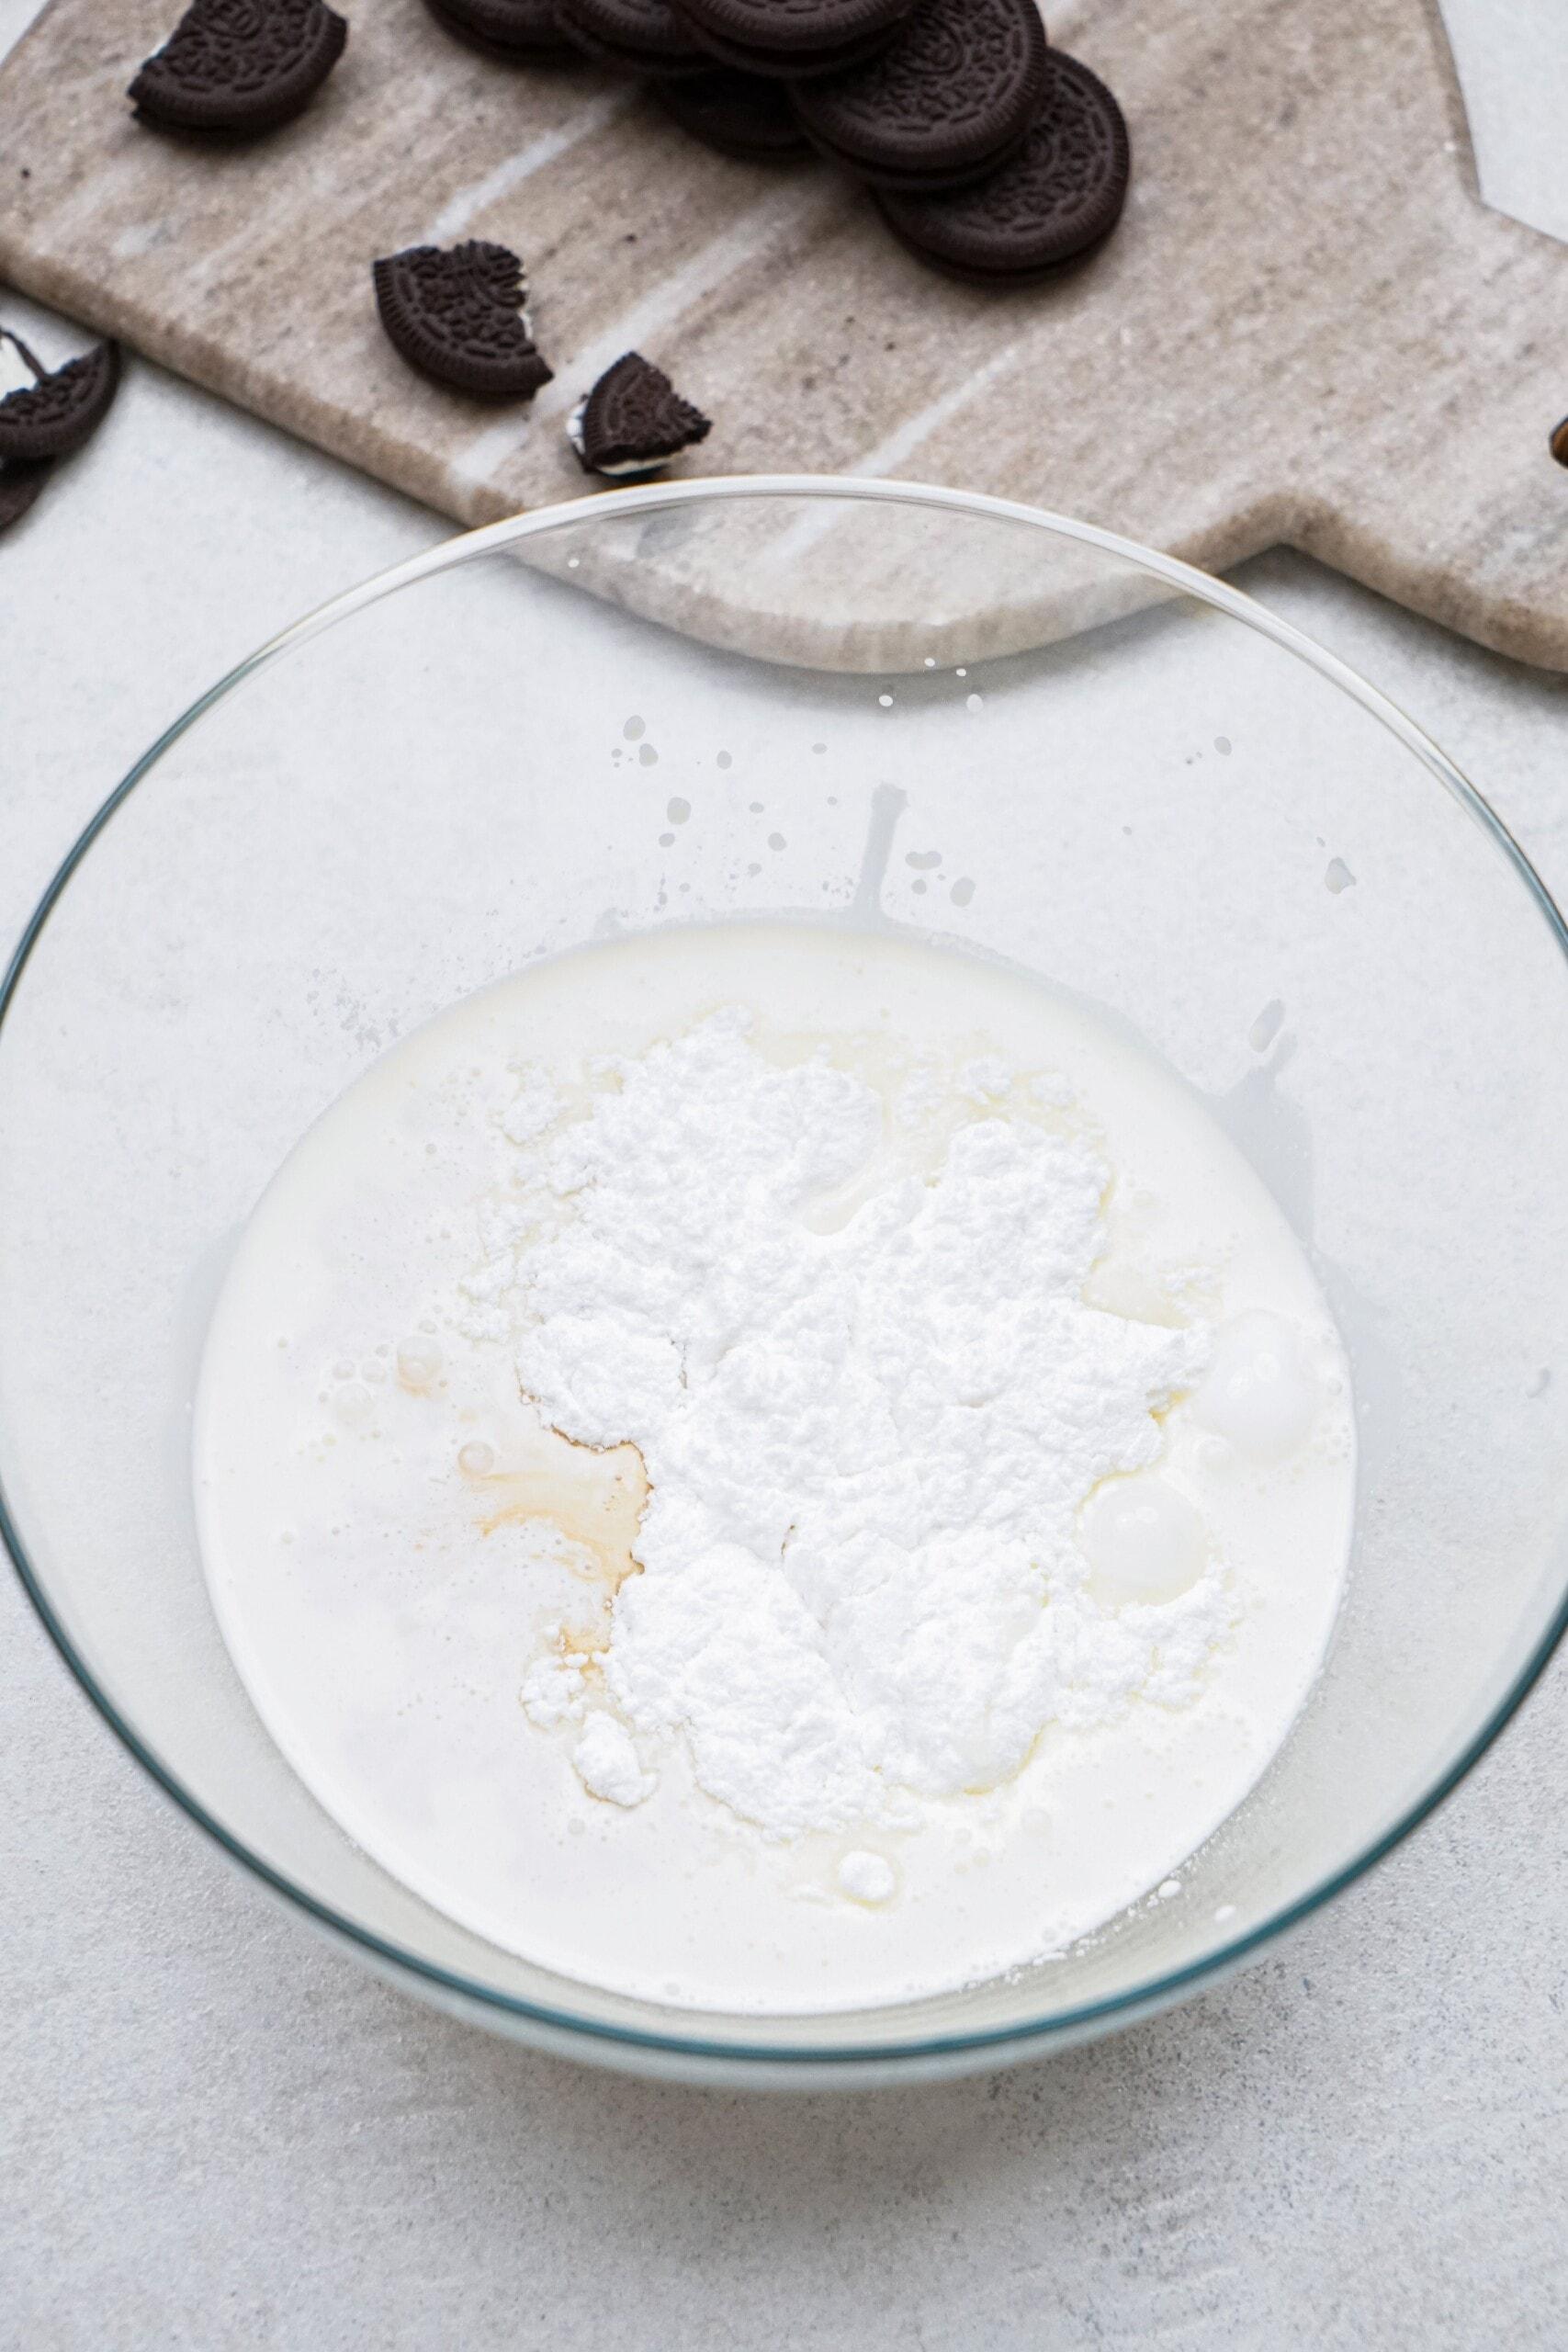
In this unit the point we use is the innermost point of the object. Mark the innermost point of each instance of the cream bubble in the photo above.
(355, 1407)
(1258, 1391)
(418, 1362)
(1144, 1542)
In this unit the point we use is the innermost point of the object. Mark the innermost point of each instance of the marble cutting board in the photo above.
(1308, 330)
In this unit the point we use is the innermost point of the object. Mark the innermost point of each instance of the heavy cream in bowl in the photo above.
(774, 1469)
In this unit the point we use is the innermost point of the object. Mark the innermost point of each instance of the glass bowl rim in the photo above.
(880, 2058)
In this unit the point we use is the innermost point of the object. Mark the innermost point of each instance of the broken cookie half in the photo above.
(47, 413)
(633, 422)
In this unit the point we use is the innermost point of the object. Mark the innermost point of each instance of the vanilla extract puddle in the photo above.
(591, 1496)
(774, 1469)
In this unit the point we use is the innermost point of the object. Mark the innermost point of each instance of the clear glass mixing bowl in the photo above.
(872, 704)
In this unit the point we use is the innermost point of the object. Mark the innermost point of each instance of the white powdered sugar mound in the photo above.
(867, 1446)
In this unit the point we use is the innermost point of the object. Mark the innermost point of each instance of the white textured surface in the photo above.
(1512, 63)
(215, 2132)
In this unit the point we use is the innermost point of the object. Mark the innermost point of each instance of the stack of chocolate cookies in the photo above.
(990, 155)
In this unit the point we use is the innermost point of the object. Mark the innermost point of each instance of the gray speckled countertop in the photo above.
(216, 2132)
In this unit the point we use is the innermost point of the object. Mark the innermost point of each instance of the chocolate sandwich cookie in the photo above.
(792, 38)
(1060, 196)
(633, 422)
(20, 487)
(510, 30)
(459, 318)
(787, 68)
(740, 114)
(239, 65)
(948, 99)
(61, 408)
(645, 36)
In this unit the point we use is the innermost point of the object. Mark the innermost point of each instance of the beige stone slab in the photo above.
(1308, 330)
